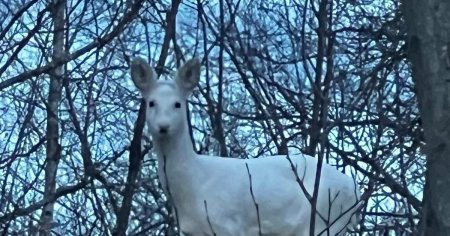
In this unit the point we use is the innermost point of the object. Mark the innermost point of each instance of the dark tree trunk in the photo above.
(428, 27)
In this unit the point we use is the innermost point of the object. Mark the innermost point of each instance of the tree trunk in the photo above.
(53, 150)
(428, 25)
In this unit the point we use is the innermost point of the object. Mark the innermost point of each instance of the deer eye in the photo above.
(177, 105)
(151, 104)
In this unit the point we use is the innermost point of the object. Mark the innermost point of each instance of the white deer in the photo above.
(230, 196)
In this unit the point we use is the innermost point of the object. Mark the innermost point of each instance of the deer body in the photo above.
(215, 196)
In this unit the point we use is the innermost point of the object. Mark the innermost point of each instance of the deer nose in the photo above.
(163, 129)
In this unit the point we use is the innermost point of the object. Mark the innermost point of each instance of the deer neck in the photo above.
(175, 160)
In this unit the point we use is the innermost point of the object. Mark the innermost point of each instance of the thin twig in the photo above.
(207, 218)
(302, 186)
(253, 197)
(356, 207)
(169, 195)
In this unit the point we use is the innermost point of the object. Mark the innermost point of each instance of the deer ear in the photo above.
(143, 75)
(188, 75)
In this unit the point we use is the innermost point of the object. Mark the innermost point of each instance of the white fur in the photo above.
(223, 183)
